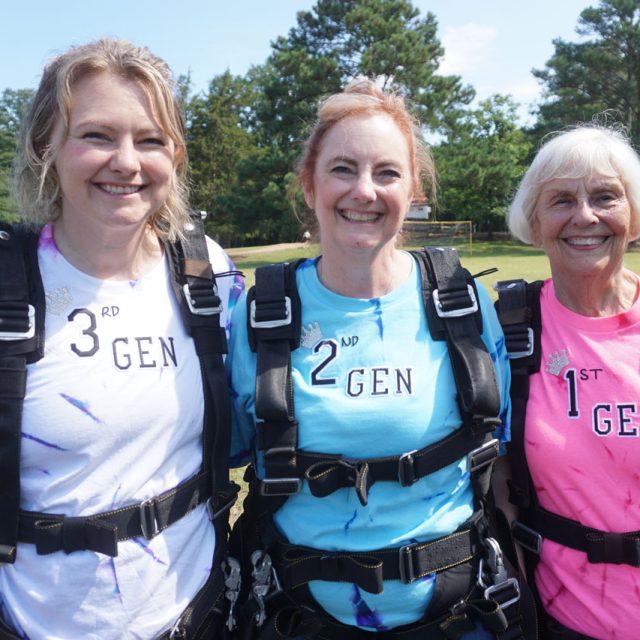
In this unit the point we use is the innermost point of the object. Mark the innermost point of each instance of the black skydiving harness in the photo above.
(22, 312)
(519, 313)
(475, 585)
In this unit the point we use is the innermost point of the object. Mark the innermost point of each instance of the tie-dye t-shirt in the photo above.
(113, 415)
(582, 441)
(369, 381)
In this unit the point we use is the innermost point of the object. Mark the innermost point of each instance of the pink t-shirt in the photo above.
(583, 449)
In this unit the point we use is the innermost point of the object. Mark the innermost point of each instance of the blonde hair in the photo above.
(363, 97)
(37, 185)
(579, 152)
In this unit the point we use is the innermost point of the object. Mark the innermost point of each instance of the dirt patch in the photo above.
(241, 252)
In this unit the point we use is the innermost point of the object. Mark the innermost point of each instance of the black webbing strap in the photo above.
(21, 326)
(298, 565)
(457, 307)
(518, 309)
(195, 285)
(600, 546)
(102, 532)
(325, 473)
(274, 328)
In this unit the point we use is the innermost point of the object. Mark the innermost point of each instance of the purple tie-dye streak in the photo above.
(148, 551)
(46, 241)
(116, 585)
(365, 617)
(28, 436)
(83, 406)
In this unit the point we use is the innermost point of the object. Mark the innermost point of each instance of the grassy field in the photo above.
(512, 259)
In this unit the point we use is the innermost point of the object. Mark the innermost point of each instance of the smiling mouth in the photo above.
(119, 190)
(359, 216)
(590, 241)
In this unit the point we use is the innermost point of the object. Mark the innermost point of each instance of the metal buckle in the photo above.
(478, 454)
(526, 537)
(455, 313)
(265, 579)
(148, 519)
(405, 559)
(200, 311)
(232, 580)
(406, 470)
(510, 583)
(22, 335)
(270, 324)
(523, 354)
(296, 484)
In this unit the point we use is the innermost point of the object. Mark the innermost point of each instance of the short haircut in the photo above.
(36, 182)
(579, 152)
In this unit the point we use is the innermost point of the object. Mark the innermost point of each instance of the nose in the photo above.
(585, 212)
(364, 188)
(125, 158)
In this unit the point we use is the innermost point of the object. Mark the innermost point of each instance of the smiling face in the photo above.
(116, 164)
(362, 184)
(584, 225)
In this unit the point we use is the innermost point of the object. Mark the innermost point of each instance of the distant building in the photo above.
(419, 210)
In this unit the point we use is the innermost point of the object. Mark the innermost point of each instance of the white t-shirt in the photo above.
(113, 415)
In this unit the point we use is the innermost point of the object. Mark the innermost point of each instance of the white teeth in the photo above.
(585, 242)
(359, 216)
(119, 190)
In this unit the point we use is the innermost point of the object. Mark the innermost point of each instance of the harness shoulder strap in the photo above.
(194, 284)
(518, 308)
(451, 304)
(22, 310)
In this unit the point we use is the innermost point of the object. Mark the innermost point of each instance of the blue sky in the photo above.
(492, 44)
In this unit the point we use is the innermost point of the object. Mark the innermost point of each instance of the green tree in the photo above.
(332, 43)
(600, 73)
(481, 164)
(13, 105)
(217, 139)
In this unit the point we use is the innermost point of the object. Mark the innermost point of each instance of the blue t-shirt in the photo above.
(369, 381)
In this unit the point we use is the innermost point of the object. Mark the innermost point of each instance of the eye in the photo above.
(154, 141)
(342, 169)
(95, 135)
(390, 174)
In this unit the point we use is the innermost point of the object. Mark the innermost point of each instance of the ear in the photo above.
(534, 226)
(309, 196)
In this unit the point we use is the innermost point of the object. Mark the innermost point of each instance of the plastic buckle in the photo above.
(7, 554)
(22, 335)
(270, 324)
(406, 469)
(455, 313)
(483, 456)
(148, 518)
(405, 558)
(280, 486)
(503, 588)
(514, 355)
(526, 537)
(200, 311)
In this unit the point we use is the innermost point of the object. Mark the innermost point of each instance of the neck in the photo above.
(365, 278)
(597, 297)
(115, 255)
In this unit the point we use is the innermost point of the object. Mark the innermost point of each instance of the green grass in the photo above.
(511, 258)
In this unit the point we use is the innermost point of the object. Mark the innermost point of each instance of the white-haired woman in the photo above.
(580, 202)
